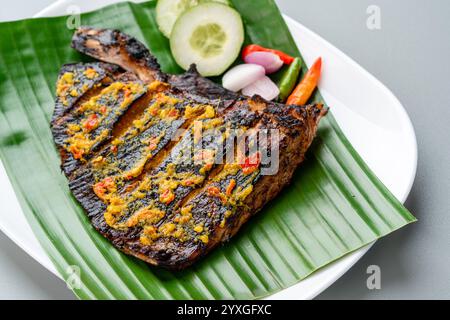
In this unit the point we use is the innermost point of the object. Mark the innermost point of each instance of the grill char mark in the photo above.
(82, 84)
(296, 124)
(116, 104)
(211, 211)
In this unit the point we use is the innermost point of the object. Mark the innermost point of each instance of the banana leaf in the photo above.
(334, 205)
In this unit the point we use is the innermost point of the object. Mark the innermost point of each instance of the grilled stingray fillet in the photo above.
(148, 155)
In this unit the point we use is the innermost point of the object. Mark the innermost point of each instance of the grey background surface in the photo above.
(410, 55)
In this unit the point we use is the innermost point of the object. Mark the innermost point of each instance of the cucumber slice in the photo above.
(168, 11)
(225, 2)
(209, 35)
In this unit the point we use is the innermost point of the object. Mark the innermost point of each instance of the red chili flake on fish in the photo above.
(173, 113)
(213, 191)
(251, 163)
(230, 187)
(167, 196)
(91, 122)
(77, 153)
(100, 188)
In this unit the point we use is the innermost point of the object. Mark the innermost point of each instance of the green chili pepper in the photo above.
(289, 79)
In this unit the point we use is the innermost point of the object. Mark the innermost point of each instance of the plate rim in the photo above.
(349, 259)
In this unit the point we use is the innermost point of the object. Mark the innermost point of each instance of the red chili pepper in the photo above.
(108, 181)
(230, 187)
(251, 163)
(167, 196)
(173, 113)
(207, 166)
(287, 59)
(100, 188)
(131, 186)
(77, 153)
(91, 122)
(154, 112)
(153, 144)
(305, 88)
(213, 191)
(127, 93)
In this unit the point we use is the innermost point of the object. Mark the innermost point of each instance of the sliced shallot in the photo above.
(268, 60)
(263, 87)
(242, 76)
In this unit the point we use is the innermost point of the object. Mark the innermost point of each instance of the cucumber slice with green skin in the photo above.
(168, 11)
(209, 35)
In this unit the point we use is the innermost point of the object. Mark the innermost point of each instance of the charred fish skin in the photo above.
(156, 186)
(75, 80)
(228, 199)
(85, 128)
(116, 47)
(193, 83)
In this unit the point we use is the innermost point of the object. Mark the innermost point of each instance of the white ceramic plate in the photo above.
(369, 114)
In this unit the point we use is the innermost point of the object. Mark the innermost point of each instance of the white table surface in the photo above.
(410, 55)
